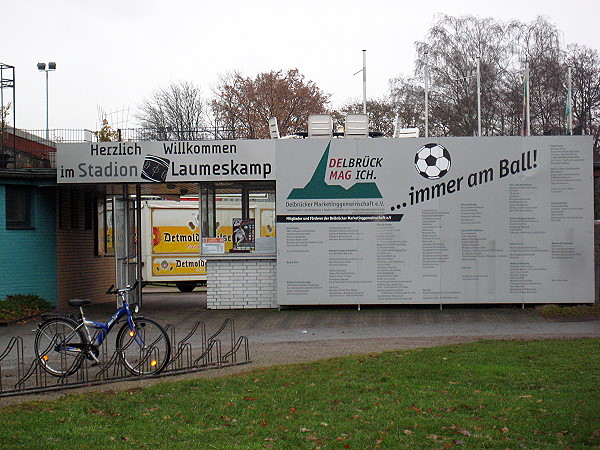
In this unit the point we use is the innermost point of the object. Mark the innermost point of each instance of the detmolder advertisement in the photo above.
(160, 162)
(435, 220)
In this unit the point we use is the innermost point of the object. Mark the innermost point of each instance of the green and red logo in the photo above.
(341, 170)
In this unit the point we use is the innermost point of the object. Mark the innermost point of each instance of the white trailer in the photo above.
(170, 244)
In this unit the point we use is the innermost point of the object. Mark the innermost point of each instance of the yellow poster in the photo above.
(162, 266)
(175, 239)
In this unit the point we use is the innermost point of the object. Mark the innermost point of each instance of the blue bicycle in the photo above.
(62, 342)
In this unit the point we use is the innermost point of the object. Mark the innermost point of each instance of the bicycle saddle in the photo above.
(77, 302)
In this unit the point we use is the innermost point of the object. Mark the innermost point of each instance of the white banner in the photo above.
(160, 162)
(435, 220)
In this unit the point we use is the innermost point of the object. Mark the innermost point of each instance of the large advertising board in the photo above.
(160, 162)
(435, 220)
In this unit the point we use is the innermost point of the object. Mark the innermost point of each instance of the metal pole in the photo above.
(570, 103)
(426, 73)
(138, 247)
(528, 122)
(478, 96)
(364, 71)
(47, 128)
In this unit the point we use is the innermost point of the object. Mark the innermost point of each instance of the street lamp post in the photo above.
(42, 68)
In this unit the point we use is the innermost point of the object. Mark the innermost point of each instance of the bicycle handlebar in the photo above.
(111, 289)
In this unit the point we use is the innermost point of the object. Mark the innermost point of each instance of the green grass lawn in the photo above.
(490, 394)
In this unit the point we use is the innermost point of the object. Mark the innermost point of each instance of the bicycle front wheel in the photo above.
(58, 346)
(146, 349)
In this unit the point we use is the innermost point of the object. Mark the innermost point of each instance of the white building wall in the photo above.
(241, 283)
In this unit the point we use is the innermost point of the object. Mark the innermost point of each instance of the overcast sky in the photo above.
(111, 54)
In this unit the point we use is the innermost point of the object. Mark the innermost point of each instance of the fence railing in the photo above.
(65, 135)
(23, 374)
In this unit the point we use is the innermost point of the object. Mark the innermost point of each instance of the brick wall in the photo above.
(241, 283)
(32, 151)
(81, 272)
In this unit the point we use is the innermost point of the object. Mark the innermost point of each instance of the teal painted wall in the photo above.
(28, 257)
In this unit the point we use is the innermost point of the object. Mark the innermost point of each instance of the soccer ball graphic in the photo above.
(432, 161)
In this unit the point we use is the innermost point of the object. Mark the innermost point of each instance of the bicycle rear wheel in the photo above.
(146, 349)
(58, 345)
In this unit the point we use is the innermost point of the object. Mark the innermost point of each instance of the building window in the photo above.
(19, 207)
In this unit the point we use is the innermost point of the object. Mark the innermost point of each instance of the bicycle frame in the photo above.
(104, 328)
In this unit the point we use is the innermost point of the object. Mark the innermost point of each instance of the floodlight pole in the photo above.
(364, 71)
(47, 109)
(42, 68)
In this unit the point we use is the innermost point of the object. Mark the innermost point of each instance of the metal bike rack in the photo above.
(220, 350)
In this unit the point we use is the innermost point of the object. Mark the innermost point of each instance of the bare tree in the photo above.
(174, 112)
(452, 50)
(509, 105)
(539, 45)
(408, 97)
(585, 64)
(247, 104)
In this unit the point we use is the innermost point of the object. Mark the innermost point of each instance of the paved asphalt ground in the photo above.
(300, 335)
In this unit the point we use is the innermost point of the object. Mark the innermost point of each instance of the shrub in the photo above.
(22, 306)
(583, 311)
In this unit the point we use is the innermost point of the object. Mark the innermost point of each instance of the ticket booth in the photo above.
(239, 244)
